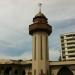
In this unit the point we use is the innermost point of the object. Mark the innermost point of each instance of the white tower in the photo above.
(40, 29)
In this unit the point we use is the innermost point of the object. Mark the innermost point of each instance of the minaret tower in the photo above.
(40, 29)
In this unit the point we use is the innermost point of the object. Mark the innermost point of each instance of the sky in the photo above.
(17, 15)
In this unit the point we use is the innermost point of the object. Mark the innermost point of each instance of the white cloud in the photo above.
(54, 55)
(15, 17)
(24, 56)
(60, 9)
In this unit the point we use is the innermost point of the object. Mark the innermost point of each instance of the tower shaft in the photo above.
(40, 53)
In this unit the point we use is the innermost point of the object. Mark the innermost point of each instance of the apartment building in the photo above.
(68, 46)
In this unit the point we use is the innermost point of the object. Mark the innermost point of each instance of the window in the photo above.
(62, 37)
(71, 47)
(63, 52)
(71, 56)
(71, 51)
(71, 39)
(62, 41)
(63, 48)
(70, 35)
(70, 43)
(62, 44)
(63, 56)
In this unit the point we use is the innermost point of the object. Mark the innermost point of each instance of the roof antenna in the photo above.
(40, 5)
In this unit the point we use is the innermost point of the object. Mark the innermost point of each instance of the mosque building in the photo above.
(40, 64)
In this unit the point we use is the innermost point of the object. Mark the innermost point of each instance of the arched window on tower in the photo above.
(65, 71)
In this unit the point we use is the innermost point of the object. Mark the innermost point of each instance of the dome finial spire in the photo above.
(40, 5)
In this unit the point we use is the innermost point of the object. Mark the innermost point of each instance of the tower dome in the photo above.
(40, 17)
(40, 23)
(40, 14)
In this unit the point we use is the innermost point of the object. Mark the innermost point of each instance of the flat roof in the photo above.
(61, 63)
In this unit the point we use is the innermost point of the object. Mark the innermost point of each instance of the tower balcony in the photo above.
(40, 27)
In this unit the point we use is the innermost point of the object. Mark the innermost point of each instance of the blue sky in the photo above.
(17, 15)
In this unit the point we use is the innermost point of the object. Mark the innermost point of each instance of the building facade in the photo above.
(68, 46)
(40, 64)
(24, 67)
